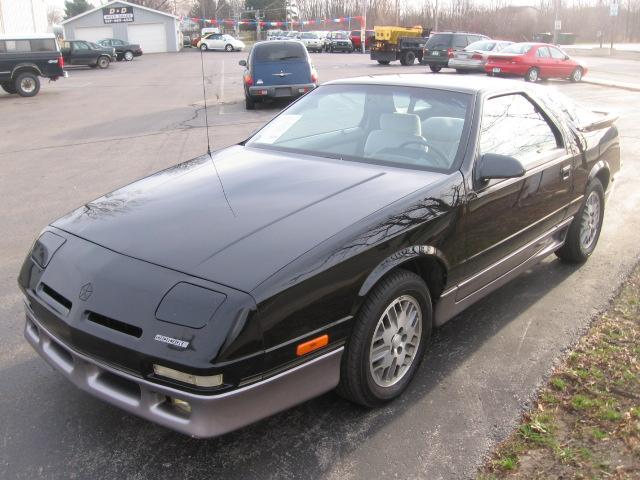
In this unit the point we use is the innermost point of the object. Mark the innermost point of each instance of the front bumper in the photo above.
(280, 91)
(210, 415)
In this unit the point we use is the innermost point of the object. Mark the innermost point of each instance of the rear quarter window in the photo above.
(278, 52)
(18, 46)
(43, 45)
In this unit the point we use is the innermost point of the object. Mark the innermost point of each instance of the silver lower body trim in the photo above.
(210, 415)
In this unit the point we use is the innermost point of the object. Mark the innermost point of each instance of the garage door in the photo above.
(152, 37)
(93, 34)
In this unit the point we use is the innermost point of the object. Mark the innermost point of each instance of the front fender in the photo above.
(398, 259)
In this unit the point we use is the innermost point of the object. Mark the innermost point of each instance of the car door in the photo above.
(544, 62)
(215, 42)
(81, 53)
(507, 220)
(563, 65)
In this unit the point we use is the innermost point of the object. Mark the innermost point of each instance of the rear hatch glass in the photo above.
(281, 63)
(440, 41)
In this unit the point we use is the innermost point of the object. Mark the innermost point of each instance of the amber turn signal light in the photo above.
(311, 345)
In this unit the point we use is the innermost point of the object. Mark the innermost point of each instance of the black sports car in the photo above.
(124, 50)
(319, 253)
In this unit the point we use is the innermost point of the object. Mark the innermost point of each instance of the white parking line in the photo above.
(221, 92)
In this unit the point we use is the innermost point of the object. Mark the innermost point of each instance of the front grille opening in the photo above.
(175, 409)
(125, 389)
(115, 324)
(33, 330)
(65, 302)
(61, 354)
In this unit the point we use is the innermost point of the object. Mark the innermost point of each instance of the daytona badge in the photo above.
(171, 341)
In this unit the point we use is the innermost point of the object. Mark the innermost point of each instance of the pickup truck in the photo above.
(26, 58)
(81, 52)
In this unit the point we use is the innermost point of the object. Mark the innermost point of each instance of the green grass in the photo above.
(581, 402)
(558, 384)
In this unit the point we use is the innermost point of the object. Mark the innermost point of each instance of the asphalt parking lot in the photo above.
(98, 130)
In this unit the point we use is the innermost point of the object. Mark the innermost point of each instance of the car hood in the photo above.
(263, 210)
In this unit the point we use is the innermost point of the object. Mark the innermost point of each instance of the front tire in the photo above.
(408, 59)
(27, 84)
(585, 228)
(532, 75)
(204, 47)
(576, 76)
(388, 340)
(103, 62)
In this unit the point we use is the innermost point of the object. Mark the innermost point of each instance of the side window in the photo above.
(3, 47)
(81, 46)
(459, 41)
(543, 52)
(512, 125)
(18, 46)
(557, 54)
(43, 45)
(117, 43)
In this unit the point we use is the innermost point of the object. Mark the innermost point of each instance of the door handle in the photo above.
(565, 172)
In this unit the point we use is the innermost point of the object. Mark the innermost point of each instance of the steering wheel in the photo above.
(442, 159)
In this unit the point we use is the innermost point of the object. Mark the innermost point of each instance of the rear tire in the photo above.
(228, 48)
(393, 325)
(128, 55)
(435, 68)
(408, 59)
(249, 103)
(384, 62)
(532, 75)
(576, 76)
(9, 87)
(27, 84)
(204, 47)
(585, 228)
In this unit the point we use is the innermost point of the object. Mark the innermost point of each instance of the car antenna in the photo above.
(206, 122)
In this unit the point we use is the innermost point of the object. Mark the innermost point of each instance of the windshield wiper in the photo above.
(288, 57)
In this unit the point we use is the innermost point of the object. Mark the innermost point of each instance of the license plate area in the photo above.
(283, 92)
(496, 70)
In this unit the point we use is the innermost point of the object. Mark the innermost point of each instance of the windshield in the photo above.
(339, 35)
(517, 48)
(278, 51)
(408, 127)
(439, 40)
(309, 35)
(481, 46)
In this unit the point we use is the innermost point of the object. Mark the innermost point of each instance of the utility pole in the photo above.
(435, 27)
(363, 26)
(557, 23)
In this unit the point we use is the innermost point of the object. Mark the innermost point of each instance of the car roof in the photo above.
(26, 36)
(453, 83)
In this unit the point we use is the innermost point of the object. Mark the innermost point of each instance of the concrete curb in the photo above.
(634, 87)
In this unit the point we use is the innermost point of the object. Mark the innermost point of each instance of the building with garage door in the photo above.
(153, 30)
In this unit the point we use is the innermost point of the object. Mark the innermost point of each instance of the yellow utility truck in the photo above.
(398, 43)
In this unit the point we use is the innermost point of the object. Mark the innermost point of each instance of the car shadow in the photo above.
(73, 432)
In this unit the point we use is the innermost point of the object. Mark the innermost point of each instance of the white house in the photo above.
(23, 16)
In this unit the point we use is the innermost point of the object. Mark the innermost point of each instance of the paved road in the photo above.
(100, 129)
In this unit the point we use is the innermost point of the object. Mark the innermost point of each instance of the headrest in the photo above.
(406, 123)
(444, 129)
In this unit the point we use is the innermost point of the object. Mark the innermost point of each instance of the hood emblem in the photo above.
(86, 291)
(171, 341)
(281, 74)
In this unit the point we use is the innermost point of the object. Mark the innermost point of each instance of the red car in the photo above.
(535, 61)
(369, 38)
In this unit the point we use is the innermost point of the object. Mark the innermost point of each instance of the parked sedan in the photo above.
(535, 61)
(277, 69)
(338, 42)
(321, 252)
(124, 50)
(474, 57)
(220, 41)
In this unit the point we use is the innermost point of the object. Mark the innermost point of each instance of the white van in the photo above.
(208, 30)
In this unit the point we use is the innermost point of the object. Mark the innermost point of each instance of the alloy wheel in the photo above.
(395, 341)
(590, 221)
(27, 85)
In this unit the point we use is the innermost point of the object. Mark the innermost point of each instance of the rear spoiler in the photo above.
(606, 120)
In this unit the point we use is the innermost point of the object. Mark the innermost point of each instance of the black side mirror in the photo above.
(566, 57)
(493, 166)
(242, 63)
